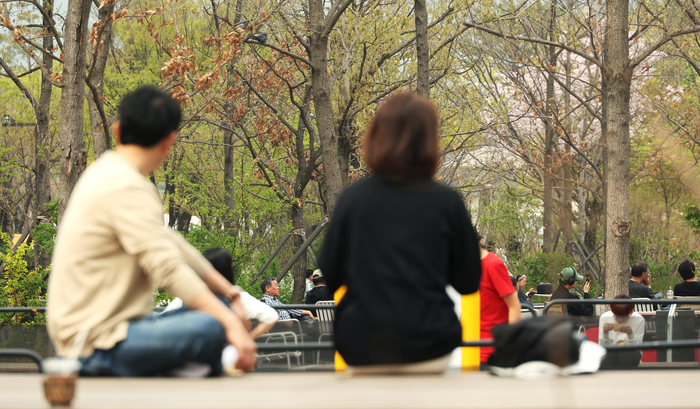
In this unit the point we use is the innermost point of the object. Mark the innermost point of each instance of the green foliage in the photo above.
(45, 234)
(162, 298)
(691, 215)
(21, 287)
(543, 267)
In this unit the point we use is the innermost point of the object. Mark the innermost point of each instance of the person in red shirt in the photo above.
(499, 300)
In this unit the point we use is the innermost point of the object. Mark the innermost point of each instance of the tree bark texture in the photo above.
(299, 269)
(229, 187)
(229, 108)
(617, 74)
(548, 182)
(422, 49)
(101, 142)
(73, 154)
(42, 149)
(318, 55)
(566, 214)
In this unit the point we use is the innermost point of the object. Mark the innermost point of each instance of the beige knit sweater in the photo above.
(111, 252)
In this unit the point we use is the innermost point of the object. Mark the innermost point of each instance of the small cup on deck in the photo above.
(59, 381)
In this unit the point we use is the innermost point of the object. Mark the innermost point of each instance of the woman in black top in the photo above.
(521, 282)
(396, 240)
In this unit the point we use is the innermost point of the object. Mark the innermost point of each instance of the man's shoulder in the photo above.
(562, 293)
(110, 174)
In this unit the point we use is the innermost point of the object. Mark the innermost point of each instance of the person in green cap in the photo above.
(567, 281)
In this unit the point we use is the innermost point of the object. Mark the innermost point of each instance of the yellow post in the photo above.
(340, 364)
(471, 330)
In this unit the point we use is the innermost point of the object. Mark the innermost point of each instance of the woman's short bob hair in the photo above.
(622, 310)
(402, 140)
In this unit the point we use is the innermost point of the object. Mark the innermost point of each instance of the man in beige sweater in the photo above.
(113, 250)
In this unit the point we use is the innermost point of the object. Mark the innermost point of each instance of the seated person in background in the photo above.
(319, 292)
(568, 280)
(521, 282)
(515, 285)
(309, 281)
(621, 326)
(271, 291)
(690, 287)
(499, 300)
(640, 282)
(222, 261)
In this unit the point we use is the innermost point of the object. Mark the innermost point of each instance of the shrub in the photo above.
(543, 267)
(20, 286)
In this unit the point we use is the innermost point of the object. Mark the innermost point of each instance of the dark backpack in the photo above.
(550, 339)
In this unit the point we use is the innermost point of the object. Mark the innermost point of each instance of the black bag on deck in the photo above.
(547, 338)
(544, 288)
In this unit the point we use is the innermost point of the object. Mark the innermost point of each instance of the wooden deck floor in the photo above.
(609, 389)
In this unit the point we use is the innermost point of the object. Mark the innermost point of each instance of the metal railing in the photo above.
(21, 309)
(23, 353)
(669, 326)
(617, 301)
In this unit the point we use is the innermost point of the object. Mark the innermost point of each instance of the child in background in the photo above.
(621, 326)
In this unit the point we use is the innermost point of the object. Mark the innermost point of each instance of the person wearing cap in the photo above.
(689, 287)
(568, 280)
(320, 292)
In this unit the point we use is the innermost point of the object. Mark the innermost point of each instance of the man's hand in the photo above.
(242, 340)
(307, 312)
(607, 328)
(586, 286)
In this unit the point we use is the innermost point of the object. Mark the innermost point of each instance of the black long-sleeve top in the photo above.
(396, 245)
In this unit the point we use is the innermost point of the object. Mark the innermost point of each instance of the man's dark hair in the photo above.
(686, 269)
(319, 280)
(266, 283)
(639, 268)
(309, 273)
(221, 260)
(147, 116)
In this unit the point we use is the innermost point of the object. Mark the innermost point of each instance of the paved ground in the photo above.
(609, 389)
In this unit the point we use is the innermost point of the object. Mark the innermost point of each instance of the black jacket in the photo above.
(561, 293)
(316, 294)
(687, 289)
(396, 245)
(638, 290)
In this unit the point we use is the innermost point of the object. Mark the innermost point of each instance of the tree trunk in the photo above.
(42, 150)
(183, 222)
(422, 50)
(73, 154)
(229, 109)
(566, 214)
(333, 179)
(547, 197)
(299, 269)
(230, 190)
(617, 74)
(100, 137)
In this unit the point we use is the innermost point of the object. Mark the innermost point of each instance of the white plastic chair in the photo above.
(326, 316)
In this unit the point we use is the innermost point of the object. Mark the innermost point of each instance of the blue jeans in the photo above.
(157, 344)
